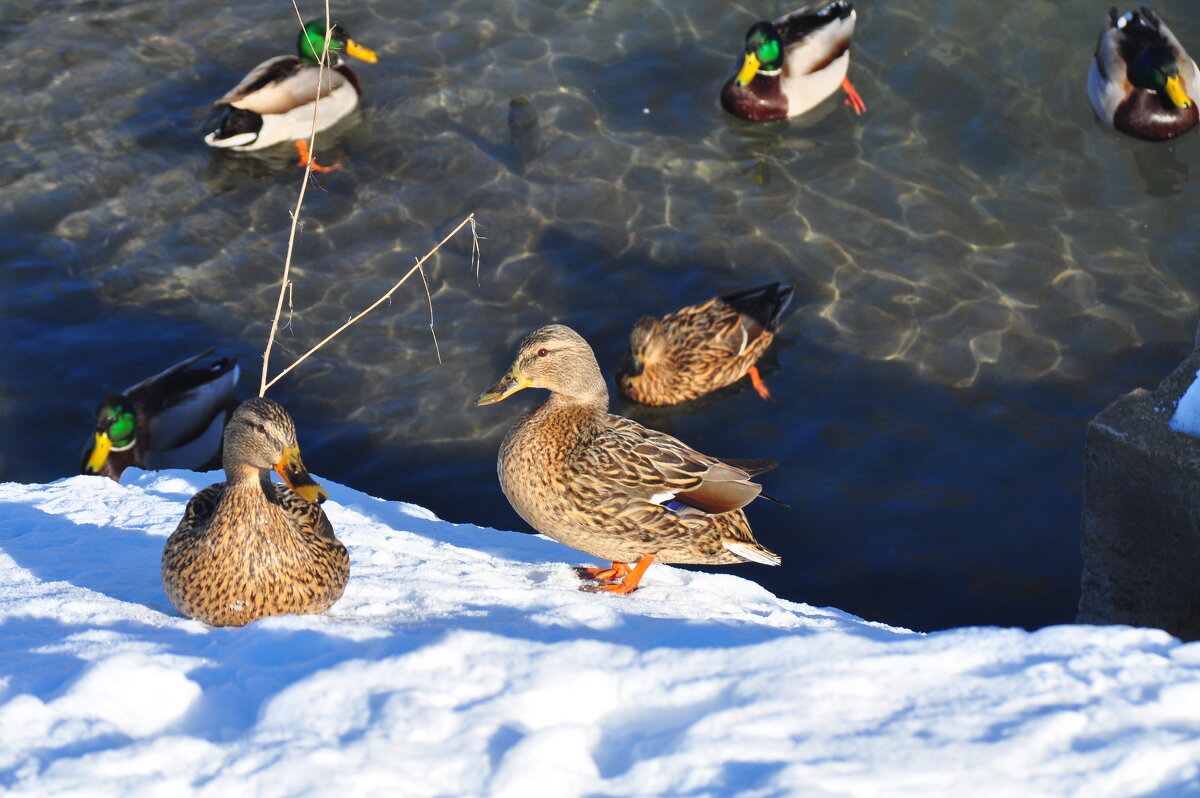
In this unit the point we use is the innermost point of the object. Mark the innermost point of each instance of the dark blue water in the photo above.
(979, 267)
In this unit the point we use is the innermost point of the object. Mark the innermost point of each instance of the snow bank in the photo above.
(464, 661)
(1187, 413)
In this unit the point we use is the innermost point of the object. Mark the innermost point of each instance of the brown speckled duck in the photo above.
(608, 486)
(249, 547)
(1142, 82)
(790, 65)
(703, 347)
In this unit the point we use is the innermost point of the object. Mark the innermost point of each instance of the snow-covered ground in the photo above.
(464, 661)
(1186, 418)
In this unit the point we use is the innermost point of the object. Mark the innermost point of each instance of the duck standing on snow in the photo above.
(249, 547)
(1141, 81)
(700, 348)
(274, 103)
(792, 64)
(171, 420)
(608, 486)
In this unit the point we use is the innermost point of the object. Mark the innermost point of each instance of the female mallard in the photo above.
(274, 103)
(249, 547)
(793, 63)
(608, 486)
(700, 348)
(171, 420)
(1141, 80)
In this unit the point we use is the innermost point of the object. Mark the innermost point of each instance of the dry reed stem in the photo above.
(286, 285)
(416, 267)
(312, 158)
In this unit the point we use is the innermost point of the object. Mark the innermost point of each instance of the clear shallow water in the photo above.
(979, 266)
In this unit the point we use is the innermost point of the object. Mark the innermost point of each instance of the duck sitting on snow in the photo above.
(274, 102)
(1141, 81)
(249, 547)
(608, 486)
(703, 347)
(174, 419)
(792, 64)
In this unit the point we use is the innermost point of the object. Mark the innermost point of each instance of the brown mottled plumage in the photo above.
(700, 348)
(608, 486)
(248, 547)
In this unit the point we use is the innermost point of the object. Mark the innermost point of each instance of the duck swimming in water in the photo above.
(1142, 82)
(790, 65)
(274, 102)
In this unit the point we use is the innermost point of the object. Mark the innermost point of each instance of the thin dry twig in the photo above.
(475, 258)
(285, 286)
(429, 299)
(287, 261)
(416, 267)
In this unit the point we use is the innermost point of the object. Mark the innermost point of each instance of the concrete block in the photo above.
(1141, 513)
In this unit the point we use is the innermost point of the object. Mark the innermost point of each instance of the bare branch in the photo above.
(432, 331)
(287, 262)
(417, 267)
(475, 258)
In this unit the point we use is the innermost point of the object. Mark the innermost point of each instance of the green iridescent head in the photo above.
(116, 430)
(764, 52)
(116, 419)
(311, 43)
(1157, 69)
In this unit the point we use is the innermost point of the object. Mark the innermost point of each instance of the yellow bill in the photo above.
(292, 469)
(749, 69)
(1177, 93)
(99, 454)
(509, 384)
(362, 53)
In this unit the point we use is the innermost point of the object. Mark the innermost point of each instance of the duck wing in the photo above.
(658, 468)
(199, 511)
(815, 35)
(178, 405)
(759, 308)
(280, 84)
(308, 515)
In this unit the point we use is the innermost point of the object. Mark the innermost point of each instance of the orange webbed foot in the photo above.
(628, 584)
(306, 158)
(853, 98)
(761, 387)
(618, 571)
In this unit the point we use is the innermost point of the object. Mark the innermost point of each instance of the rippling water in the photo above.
(979, 266)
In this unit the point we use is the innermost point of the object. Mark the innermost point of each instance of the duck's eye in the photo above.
(543, 352)
(262, 428)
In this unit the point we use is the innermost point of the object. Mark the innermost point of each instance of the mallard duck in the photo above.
(171, 420)
(792, 64)
(274, 103)
(1142, 81)
(700, 348)
(249, 547)
(608, 486)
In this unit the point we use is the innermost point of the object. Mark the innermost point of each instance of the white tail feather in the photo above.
(751, 553)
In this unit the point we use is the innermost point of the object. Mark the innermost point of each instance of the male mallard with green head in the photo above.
(1142, 81)
(274, 102)
(703, 347)
(608, 486)
(790, 65)
(171, 420)
(249, 547)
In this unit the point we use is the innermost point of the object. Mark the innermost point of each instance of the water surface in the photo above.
(979, 266)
